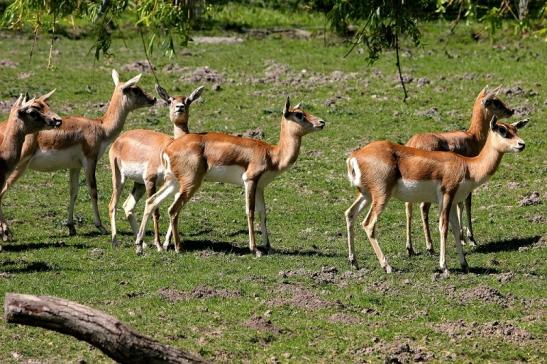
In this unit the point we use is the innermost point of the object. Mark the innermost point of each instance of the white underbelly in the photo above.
(53, 160)
(226, 174)
(463, 191)
(416, 191)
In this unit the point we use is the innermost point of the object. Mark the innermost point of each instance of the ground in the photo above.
(302, 303)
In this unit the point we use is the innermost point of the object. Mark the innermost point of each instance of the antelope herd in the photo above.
(442, 168)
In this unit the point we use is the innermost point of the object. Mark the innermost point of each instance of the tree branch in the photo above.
(103, 331)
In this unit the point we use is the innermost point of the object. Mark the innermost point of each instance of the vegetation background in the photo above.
(301, 303)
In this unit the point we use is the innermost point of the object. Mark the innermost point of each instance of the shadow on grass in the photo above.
(216, 246)
(10, 266)
(22, 247)
(480, 270)
(506, 245)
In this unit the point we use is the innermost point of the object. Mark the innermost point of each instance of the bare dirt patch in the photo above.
(398, 351)
(260, 323)
(460, 330)
(327, 275)
(344, 318)
(282, 74)
(256, 133)
(6, 63)
(298, 296)
(5, 106)
(200, 292)
(137, 66)
(480, 293)
(217, 40)
(531, 199)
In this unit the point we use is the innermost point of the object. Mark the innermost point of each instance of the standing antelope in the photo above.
(467, 143)
(136, 155)
(218, 157)
(80, 142)
(383, 169)
(25, 117)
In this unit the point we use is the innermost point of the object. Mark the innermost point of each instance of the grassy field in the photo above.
(302, 303)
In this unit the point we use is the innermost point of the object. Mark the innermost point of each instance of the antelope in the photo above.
(136, 156)
(467, 143)
(80, 142)
(383, 169)
(25, 117)
(216, 157)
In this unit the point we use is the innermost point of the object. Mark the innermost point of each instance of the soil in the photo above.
(6, 63)
(422, 81)
(480, 293)
(217, 40)
(298, 296)
(327, 275)
(460, 330)
(398, 351)
(137, 66)
(256, 133)
(200, 292)
(505, 277)
(538, 219)
(531, 199)
(344, 318)
(260, 323)
(432, 113)
(5, 106)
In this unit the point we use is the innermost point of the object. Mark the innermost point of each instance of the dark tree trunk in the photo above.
(103, 331)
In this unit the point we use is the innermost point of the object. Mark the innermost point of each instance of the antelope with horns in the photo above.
(80, 142)
(25, 117)
(218, 157)
(136, 156)
(467, 143)
(383, 169)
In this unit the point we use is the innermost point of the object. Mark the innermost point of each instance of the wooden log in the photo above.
(103, 331)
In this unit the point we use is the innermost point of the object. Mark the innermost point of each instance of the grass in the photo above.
(379, 312)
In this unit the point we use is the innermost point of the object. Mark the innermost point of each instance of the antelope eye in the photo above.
(503, 131)
(299, 115)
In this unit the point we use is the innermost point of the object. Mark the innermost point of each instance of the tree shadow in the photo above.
(22, 247)
(506, 245)
(10, 266)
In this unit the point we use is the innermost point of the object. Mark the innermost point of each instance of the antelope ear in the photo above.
(132, 82)
(194, 95)
(45, 97)
(484, 91)
(520, 124)
(298, 106)
(162, 93)
(493, 121)
(20, 99)
(115, 77)
(25, 97)
(497, 90)
(287, 106)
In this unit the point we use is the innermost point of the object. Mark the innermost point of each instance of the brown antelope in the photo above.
(80, 142)
(136, 156)
(467, 143)
(383, 169)
(218, 157)
(25, 117)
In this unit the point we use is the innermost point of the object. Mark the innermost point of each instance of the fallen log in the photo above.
(103, 331)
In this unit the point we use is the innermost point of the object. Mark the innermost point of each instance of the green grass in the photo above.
(305, 204)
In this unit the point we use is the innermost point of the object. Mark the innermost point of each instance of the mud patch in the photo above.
(344, 318)
(298, 296)
(460, 330)
(260, 323)
(217, 40)
(138, 66)
(200, 292)
(6, 63)
(531, 199)
(398, 351)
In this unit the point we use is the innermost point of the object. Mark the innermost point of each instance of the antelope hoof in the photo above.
(258, 253)
(431, 251)
(465, 267)
(353, 263)
(71, 229)
(139, 249)
(388, 269)
(410, 251)
(115, 243)
(101, 229)
(471, 241)
(445, 272)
